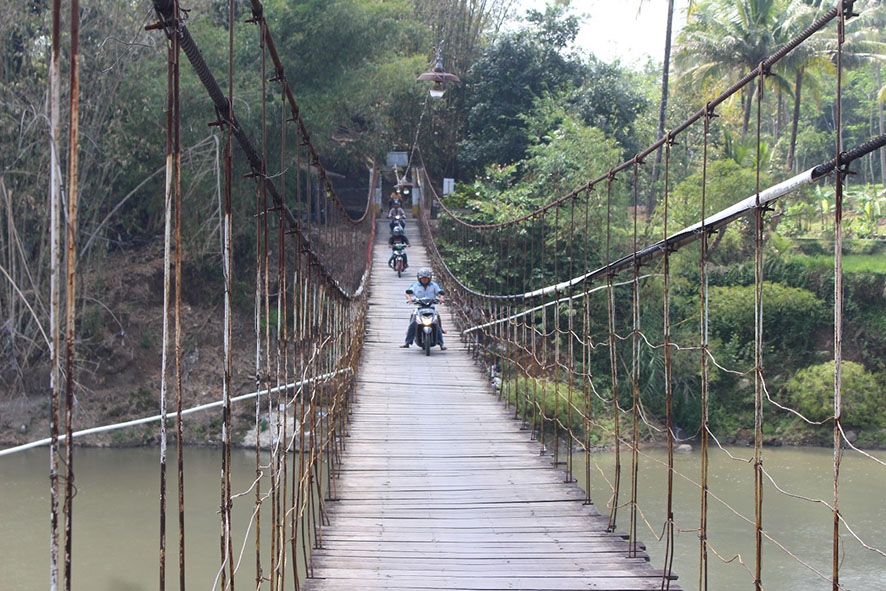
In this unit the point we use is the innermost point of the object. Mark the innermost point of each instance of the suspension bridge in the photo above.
(461, 470)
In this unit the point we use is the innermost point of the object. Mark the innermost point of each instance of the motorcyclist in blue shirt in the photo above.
(423, 287)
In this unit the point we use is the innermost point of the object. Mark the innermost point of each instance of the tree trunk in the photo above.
(749, 101)
(779, 114)
(882, 131)
(663, 108)
(798, 86)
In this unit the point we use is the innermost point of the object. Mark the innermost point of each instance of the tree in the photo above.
(725, 39)
(508, 77)
(352, 65)
(663, 103)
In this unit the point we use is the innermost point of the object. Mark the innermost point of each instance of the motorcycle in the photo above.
(398, 220)
(399, 262)
(427, 323)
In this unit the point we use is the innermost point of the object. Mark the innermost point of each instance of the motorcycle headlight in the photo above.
(427, 320)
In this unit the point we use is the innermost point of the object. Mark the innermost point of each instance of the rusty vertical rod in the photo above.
(635, 369)
(283, 307)
(55, 189)
(260, 305)
(570, 368)
(179, 427)
(555, 332)
(758, 355)
(586, 356)
(71, 293)
(227, 553)
(703, 304)
(838, 294)
(167, 280)
(282, 378)
(669, 395)
(613, 364)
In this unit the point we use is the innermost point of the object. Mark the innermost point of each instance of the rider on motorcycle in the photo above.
(398, 237)
(423, 288)
(393, 214)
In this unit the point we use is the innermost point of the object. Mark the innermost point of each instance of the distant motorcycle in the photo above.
(399, 262)
(398, 220)
(427, 324)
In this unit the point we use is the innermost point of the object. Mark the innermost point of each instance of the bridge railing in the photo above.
(544, 316)
(312, 262)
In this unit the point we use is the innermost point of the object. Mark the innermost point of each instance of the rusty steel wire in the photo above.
(55, 205)
(70, 289)
(327, 299)
(537, 355)
(536, 303)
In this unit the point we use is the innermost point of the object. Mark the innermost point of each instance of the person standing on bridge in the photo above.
(427, 289)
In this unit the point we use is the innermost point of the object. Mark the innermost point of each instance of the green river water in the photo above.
(117, 506)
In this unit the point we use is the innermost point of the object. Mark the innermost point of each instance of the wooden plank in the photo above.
(441, 489)
(450, 582)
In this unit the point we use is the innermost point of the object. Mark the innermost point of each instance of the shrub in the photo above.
(811, 392)
(791, 316)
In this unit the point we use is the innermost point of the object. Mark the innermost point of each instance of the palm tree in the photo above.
(809, 55)
(725, 39)
(663, 105)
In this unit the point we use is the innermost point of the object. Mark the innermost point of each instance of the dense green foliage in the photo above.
(811, 392)
(554, 148)
(533, 120)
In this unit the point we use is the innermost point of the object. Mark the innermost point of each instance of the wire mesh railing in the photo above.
(594, 360)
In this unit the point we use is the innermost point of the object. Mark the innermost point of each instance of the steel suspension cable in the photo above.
(220, 101)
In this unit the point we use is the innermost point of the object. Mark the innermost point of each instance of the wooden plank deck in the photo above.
(439, 487)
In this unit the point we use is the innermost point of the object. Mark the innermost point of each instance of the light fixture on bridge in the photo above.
(438, 76)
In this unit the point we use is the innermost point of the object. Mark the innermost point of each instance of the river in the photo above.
(116, 525)
(802, 528)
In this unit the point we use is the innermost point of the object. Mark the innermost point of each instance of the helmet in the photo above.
(423, 272)
(398, 230)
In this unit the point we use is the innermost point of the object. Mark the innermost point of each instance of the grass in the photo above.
(852, 263)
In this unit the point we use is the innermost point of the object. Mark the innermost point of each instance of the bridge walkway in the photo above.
(440, 488)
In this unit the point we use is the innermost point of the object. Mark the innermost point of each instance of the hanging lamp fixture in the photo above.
(438, 75)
